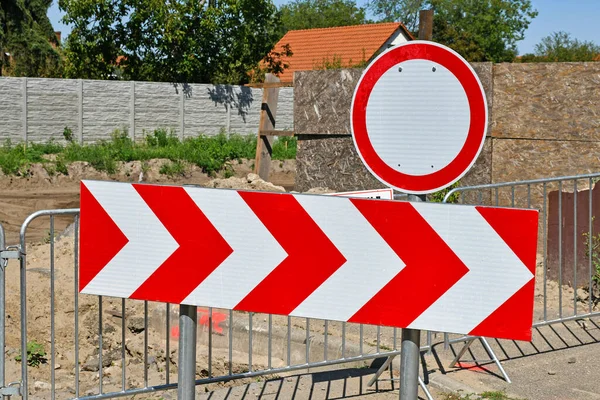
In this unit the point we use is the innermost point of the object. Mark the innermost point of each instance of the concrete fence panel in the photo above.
(34, 109)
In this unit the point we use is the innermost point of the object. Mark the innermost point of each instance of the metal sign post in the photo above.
(409, 356)
(186, 374)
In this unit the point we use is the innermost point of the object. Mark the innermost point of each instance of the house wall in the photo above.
(38, 110)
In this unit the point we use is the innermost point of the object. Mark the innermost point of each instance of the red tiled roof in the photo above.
(351, 44)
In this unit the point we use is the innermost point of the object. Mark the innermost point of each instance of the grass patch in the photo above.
(210, 153)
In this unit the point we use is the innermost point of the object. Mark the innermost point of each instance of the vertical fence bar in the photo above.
(230, 342)
(123, 360)
(23, 309)
(326, 339)
(168, 343)
(360, 345)
(528, 195)
(2, 310)
(145, 343)
(512, 196)
(378, 338)
(560, 247)
(545, 240)
(52, 300)
(307, 347)
(289, 341)
(591, 246)
(210, 319)
(77, 306)
(343, 340)
(100, 344)
(575, 247)
(270, 344)
(249, 342)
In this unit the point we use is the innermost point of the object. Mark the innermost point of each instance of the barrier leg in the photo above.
(188, 323)
(381, 370)
(488, 350)
(491, 353)
(462, 351)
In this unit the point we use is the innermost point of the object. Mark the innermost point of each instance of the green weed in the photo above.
(35, 354)
(172, 169)
(211, 154)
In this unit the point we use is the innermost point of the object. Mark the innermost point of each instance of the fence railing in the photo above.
(568, 272)
(107, 347)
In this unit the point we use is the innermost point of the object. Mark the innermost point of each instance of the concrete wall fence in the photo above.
(37, 110)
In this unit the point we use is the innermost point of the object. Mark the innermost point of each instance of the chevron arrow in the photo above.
(458, 269)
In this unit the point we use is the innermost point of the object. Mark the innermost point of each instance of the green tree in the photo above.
(481, 30)
(405, 11)
(174, 41)
(561, 47)
(306, 14)
(28, 45)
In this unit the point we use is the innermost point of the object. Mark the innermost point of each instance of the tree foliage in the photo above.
(26, 34)
(306, 14)
(480, 30)
(170, 41)
(561, 47)
(405, 11)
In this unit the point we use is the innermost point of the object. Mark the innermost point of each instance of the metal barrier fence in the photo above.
(231, 344)
(568, 262)
(105, 347)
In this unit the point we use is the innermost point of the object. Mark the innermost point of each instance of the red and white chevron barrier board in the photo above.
(440, 267)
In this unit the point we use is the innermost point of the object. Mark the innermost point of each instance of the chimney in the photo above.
(58, 36)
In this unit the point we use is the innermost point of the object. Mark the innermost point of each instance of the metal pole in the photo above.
(2, 308)
(188, 323)
(409, 356)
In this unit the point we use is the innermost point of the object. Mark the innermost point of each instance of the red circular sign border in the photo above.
(466, 157)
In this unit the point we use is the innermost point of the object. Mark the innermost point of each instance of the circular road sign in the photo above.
(419, 117)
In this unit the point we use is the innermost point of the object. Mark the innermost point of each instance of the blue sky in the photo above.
(578, 17)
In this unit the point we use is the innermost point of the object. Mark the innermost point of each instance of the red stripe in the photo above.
(431, 266)
(518, 229)
(312, 258)
(100, 238)
(513, 319)
(201, 247)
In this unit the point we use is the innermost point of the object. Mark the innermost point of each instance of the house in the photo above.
(344, 46)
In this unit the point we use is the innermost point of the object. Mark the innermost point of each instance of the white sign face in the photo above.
(419, 117)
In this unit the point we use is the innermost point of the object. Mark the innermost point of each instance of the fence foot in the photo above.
(489, 351)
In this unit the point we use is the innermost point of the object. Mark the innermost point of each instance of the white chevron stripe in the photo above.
(150, 244)
(495, 272)
(255, 252)
(360, 278)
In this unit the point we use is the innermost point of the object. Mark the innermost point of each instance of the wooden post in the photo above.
(426, 25)
(270, 97)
